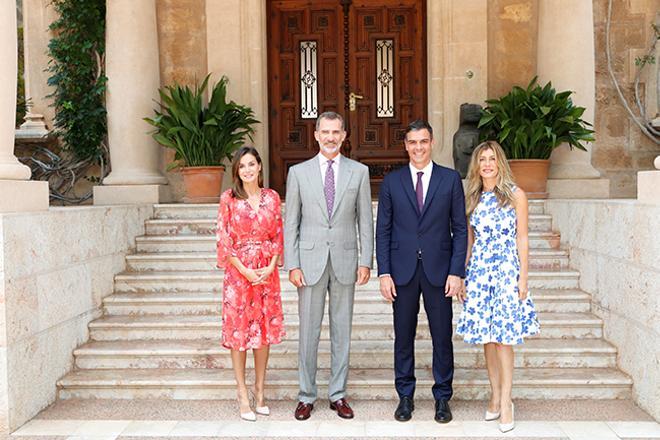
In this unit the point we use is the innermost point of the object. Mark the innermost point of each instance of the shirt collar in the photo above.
(426, 170)
(324, 160)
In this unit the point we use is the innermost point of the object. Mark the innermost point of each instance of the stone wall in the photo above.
(621, 149)
(512, 44)
(55, 268)
(182, 57)
(614, 244)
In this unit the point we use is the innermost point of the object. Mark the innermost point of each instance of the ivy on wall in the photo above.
(77, 66)
(21, 105)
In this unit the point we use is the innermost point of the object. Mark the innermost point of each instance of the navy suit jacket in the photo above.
(439, 231)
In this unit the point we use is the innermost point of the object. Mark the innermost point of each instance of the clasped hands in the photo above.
(453, 287)
(258, 276)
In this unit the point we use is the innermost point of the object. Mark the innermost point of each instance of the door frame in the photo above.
(450, 54)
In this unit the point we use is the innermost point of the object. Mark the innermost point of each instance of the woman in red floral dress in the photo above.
(249, 238)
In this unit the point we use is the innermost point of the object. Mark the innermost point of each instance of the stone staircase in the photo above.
(159, 336)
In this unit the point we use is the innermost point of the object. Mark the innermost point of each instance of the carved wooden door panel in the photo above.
(321, 53)
(387, 69)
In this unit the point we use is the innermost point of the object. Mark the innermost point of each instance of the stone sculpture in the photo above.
(466, 137)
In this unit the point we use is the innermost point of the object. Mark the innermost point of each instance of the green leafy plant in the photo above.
(530, 123)
(21, 103)
(77, 66)
(201, 135)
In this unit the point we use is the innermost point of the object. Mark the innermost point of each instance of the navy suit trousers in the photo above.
(439, 311)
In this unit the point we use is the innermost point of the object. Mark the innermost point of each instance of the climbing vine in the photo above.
(77, 52)
(78, 78)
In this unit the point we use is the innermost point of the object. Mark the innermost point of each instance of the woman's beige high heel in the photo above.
(249, 415)
(261, 410)
(506, 427)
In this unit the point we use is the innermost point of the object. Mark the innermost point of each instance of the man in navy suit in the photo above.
(421, 241)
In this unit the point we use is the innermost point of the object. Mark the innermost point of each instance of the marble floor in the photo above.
(140, 419)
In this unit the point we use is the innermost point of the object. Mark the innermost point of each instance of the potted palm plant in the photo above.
(530, 123)
(201, 136)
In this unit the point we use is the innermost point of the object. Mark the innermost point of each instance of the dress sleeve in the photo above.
(224, 242)
(278, 233)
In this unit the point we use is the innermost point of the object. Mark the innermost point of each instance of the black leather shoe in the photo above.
(442, 411)
(405, 409)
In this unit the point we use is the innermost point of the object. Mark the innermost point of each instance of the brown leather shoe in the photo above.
(343, 409)
(304, 410)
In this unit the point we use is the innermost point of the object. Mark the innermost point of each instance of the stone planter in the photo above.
(202, 184)
(532, 176)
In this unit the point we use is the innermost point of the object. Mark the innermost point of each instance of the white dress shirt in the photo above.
(324, 168)
(426, 177)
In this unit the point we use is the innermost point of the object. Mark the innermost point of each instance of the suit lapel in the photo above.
(345, 174)
(406, 182)
(314, 176)
(434, 184)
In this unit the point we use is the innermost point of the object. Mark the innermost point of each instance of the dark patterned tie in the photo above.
(419, 190)
(329, 189)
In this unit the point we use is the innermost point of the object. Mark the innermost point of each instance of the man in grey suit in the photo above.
(328, 207)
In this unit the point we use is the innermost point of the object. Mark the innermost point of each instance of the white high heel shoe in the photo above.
(261, 410)
(490, 416)
(506, 427)
(249, 416)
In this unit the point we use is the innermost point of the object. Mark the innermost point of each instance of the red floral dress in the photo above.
(251, 315)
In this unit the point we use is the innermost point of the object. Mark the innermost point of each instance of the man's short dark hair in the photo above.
(330, 116)
(416, 125)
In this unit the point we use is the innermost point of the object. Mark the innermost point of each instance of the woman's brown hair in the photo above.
(237, 190)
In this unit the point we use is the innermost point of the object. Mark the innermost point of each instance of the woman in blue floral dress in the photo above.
(497, 310)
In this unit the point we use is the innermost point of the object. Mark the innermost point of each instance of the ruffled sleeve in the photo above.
(224, 241)
(277, 237)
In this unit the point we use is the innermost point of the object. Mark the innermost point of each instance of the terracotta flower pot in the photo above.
(532, 176)
(202, 184)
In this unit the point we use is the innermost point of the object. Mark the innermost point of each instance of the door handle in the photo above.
(352, 101)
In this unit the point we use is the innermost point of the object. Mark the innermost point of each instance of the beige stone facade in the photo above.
(621, 149)
(476, 49)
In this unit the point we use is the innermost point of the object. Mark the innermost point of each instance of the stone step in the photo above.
(179, 227)
(208, 281)
(210, 210)
(529, 383)
(365, 327)
(201, 261)
(536, 353)
(207, 243)
(199, 303)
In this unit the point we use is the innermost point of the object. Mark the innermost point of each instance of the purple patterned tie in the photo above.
(329, 189)
(419, 190)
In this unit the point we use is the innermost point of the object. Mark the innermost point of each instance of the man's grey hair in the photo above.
(330, 116)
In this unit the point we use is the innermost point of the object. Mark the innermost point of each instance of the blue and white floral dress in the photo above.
(492, 311)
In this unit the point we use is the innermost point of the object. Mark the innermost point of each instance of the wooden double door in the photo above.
(363, 59)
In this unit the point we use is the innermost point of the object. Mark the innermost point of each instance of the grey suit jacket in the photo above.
(309, 235)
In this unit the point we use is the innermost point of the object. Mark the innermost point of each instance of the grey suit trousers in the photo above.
(311, 303)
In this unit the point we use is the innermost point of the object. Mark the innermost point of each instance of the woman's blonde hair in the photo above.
(503, 186)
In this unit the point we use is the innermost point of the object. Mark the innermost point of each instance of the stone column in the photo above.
(37, 17)
(18, 192)
(132, 68)
(648, 184)
(566, 57)
(512, 44)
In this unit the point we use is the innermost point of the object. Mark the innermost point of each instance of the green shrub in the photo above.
(77, 52)
(530, 123)
(201, 135)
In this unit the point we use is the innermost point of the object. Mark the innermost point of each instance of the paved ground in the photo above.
(137, 419)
